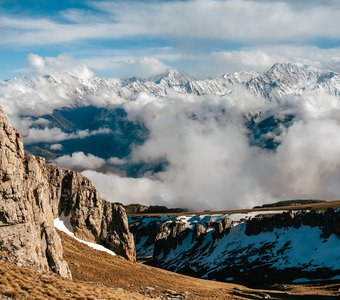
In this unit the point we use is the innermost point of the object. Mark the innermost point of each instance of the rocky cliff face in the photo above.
(73, 196)
(328, 222)
(259, 248)
(33, 194)
(27, 235)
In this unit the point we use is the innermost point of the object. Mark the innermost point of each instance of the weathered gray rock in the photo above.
(199, 231)
(92, 218)
(328, 221)
(169, 235)
(27, 234)
(222, 227)
(33, 194)
(73, 196)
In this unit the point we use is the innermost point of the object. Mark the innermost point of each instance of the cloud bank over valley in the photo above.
(234, 141)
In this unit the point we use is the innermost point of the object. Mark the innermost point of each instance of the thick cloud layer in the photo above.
(212, 166)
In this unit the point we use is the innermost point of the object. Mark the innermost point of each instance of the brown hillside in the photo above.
(101, 268)
(23, 283)
(98, 275)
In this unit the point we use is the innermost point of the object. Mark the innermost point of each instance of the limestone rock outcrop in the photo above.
(34, 193)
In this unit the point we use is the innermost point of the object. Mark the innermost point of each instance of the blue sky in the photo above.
(203, 38)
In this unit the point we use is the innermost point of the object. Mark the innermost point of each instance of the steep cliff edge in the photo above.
(257, 248)
(33, 194)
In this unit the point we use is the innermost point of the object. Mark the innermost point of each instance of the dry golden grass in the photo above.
(101, 268)
(23, 283)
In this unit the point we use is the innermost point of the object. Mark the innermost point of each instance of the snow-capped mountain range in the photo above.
(70, 105)
(279, 81)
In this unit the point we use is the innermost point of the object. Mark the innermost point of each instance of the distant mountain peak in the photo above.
(291, 68)
(171, 77)
(284, 79)
(297, 69)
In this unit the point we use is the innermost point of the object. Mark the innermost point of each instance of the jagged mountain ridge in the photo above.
(293, 79)
(280, 80)
(50, 96)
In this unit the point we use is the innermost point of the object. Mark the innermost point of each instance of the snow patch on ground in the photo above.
(143, 250)
(63, 224)
(189, 221)
(301, 248)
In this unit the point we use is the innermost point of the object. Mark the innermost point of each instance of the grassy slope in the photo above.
(98, 267)
(23, 283)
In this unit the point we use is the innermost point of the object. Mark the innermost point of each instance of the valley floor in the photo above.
(93, 266)
(98, 275)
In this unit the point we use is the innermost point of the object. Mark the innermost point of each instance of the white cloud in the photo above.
(36, 62)
(211, 164)
(126, 190)
(262, 58)
(128, 66)
(56, 147)
(307, 162)
(191, 28)
(57, 65)
(233, 20)
(80, 161)
(116, 161)
(213, 64)
(41, 122)
(55, 134)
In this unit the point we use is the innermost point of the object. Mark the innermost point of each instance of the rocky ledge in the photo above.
(34, 193)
